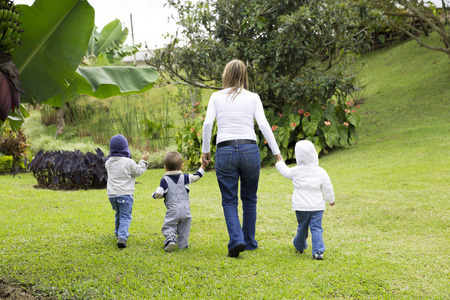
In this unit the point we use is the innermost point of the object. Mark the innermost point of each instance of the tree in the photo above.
(292, 49)
(403, 14)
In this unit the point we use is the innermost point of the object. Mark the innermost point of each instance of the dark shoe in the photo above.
(299, 251)
(234, 252)
(318, 256)
(122, 244)
(170, 245)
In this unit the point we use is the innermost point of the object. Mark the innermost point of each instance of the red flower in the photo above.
(199, 133)
(307, 114)
(294, 124)
(197, 103)
(328, 123)
(347, 111)
(353, 110)
(345, 123)
(301, 111)
(265, 142)
(280, 115)
(192, 129)
(357, 106)
(323, 107)
(274, 127)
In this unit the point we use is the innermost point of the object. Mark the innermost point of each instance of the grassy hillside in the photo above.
(386, 238)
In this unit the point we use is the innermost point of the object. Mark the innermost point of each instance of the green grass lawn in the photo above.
(387, 237)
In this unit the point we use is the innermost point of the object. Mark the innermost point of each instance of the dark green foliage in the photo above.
(14, 144)
(294, 52)
(69, 170)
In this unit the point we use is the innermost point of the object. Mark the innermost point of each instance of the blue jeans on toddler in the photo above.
(123, 206)
(313, 220)
(234, 163)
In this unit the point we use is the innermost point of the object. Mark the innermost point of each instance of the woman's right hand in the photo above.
(206, 158)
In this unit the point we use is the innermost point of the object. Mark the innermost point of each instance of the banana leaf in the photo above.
(110, 38)
(55, 39)
(105, 82)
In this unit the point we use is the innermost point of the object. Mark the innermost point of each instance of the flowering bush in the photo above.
(189, 138)
(326, 126)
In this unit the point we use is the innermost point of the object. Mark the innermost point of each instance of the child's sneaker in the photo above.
(318, 256)
(122, 243)
(169, 246)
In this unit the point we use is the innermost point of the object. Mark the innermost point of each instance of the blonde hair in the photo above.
(173, 161)
(235, 76)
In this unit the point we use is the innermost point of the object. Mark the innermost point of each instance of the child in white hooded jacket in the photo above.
(312, 189)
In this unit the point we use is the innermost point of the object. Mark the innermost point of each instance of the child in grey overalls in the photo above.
(174, 188)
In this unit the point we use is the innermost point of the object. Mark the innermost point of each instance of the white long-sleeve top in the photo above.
(312, 185)
(235, 119)
(121, 175)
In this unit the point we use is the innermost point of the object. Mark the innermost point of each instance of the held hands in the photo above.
(145, 156)
(278, 158)
(206, 159)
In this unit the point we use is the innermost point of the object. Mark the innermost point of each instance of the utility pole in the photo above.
(132, 37)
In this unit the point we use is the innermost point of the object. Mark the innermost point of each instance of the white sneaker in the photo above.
(170, 247)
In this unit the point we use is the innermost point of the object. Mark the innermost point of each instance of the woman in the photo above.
(237, 155)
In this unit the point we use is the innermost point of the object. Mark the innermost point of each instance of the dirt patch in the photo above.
(16, 292)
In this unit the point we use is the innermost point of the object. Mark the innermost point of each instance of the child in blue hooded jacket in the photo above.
(122, 171)
(312, 189)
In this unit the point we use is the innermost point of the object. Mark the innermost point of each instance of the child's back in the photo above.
(312, 189)
(312, 185)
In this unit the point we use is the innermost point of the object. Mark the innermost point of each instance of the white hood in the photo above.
(306, 154)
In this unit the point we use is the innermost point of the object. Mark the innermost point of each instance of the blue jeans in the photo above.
(234, 163)
(313, 220)
(123, 206)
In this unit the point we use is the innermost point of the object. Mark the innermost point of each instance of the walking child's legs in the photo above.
(184, 228)
(125, 205)
(169, 229)
(115, 207)
(315, 225)
(303, 219)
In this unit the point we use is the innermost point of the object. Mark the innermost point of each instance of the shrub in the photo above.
(6, 163)
(69, 170)
(326, 127)
(14, 144)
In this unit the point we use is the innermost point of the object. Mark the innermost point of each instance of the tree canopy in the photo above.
(293, 50)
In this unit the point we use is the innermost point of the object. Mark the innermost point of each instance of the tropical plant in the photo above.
(48, 59)
(10, 33)
(109, 44)
(69, 170)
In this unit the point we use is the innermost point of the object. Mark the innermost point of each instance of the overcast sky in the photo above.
(150, 18)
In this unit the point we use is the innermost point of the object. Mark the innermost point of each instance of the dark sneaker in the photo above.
(122, 244)
(236, 250)
(318, 256)
(169, 246)
(299, 251)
